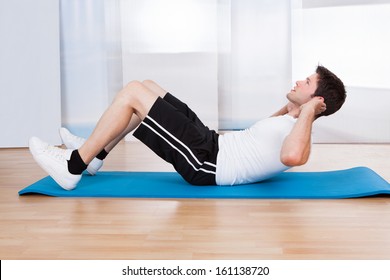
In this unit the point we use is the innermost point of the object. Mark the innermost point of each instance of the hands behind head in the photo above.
(316, 103)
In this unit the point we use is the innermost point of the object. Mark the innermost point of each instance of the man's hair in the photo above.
(331, 88)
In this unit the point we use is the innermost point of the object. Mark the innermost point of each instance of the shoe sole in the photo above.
(54, 176)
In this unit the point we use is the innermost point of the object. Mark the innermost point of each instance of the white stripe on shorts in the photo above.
(176, 148)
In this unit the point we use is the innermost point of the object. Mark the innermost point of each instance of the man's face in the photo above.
(303, 90)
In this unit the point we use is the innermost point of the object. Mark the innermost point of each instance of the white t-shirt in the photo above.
(253, 154)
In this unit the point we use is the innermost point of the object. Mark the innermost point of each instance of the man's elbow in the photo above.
(293, 159)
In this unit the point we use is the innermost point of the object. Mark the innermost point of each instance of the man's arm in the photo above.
(296, 146)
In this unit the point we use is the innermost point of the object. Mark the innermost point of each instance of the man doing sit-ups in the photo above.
(200, 155)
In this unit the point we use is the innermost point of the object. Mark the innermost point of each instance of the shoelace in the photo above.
(57, 153)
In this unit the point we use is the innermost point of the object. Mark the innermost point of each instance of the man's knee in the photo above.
(137, 96)
(149, 83)
(133, 86)
(136, 91)
(127, 94)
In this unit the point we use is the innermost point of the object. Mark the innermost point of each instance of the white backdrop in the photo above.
(354, 42)
(233, 61)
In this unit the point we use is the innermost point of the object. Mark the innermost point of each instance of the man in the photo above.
(200, 155)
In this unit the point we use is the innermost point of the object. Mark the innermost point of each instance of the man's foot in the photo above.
(74, 142)
(55, 162)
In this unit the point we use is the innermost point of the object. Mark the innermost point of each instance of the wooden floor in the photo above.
(39, 227)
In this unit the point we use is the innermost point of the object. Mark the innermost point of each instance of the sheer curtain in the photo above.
(254, 60)
(228, 59)
(84, 63)
(174, 42)
(233, 54)
(232, 61)
(91, 61)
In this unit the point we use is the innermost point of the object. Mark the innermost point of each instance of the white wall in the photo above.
(29, 71)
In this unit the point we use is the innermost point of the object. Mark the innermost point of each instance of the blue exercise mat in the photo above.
(355, 182)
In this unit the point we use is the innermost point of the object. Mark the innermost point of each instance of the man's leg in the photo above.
(178, 104)
(135, 120)
(179, 140)
(74, 142)
(136, 99)
(66, 166)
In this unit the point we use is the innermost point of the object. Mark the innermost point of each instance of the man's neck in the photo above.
(293, 110)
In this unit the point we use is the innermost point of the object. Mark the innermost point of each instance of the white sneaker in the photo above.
(74, 142)
(55, 162)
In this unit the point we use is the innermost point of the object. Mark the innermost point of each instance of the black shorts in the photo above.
(174, 132)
